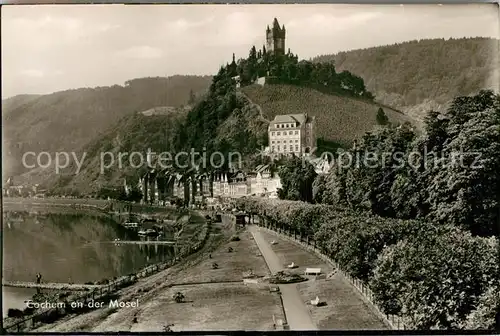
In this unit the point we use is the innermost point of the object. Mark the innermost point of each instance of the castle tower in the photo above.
(275, 38)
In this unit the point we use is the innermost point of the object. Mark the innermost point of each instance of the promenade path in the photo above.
(297, 314)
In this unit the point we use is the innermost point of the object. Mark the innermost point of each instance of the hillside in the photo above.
(12, 103)
(68, 120)
(133, 133)
(243, 131)
(339, 119)
(417, 76)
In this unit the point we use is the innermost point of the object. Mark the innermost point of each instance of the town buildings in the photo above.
(156, 188)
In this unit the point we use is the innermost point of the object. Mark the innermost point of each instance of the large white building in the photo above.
(292, 134)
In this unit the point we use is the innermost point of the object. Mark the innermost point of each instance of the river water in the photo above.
(73, 248)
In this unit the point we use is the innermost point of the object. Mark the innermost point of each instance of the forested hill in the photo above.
(68, 120)
(12, 103)
(416, 76)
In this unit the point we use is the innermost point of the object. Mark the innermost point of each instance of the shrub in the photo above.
(12, 312)
(433, 275)
(486, 316)
(283, 277)
(435, 281)
(179, 297)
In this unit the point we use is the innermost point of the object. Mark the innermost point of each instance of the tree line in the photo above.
(422, 234)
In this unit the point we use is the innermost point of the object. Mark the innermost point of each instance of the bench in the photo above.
(312, 271)
(250, 281)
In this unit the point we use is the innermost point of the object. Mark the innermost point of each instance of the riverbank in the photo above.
(215, 298)
(99, 205)
(193, 236)
(218, 298)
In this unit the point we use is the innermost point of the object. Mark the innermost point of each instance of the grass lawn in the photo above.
(289, 252)
(245, 257)
(211, 307)
(345, 308)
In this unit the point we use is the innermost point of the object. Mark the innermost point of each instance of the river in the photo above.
(74, 248)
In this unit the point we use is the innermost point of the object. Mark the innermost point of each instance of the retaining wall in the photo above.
(30, 322)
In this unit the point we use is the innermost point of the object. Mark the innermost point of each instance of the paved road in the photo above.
(297, 314)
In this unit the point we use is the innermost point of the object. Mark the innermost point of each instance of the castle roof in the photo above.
(276, 23)
(276, 26)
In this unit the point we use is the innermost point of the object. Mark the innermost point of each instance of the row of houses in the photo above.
(11, 190)
(158, 187)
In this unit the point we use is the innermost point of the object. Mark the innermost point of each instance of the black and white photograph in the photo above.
(250, 167)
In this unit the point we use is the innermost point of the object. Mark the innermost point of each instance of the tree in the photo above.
(297, 177)
(319, 187)
(192, 97)
(382, 118)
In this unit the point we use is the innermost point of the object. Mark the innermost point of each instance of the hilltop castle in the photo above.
(275, 38)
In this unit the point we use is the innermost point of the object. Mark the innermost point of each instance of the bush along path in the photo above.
(392, 321)
(433, 276)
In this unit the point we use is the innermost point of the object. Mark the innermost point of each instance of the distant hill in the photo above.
(133, 133)
(417, 76)
(68, 120)
(340, 119)
(12, 103)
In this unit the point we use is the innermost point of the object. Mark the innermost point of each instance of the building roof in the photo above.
(261, 168)
(288, 118)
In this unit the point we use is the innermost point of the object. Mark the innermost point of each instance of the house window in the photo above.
(296, 132)
(278, 126)
(296, 148)
(291, 148)
(279, 148)
(272, 133)
(296, 141)
(272, 141)
(278, 133)
(287, 125)
(279, 141)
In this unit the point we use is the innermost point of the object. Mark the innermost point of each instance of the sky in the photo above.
(48, 48)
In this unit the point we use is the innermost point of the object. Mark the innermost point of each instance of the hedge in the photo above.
(432, 275)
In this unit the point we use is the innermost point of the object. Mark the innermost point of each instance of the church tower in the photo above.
(275, 38)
